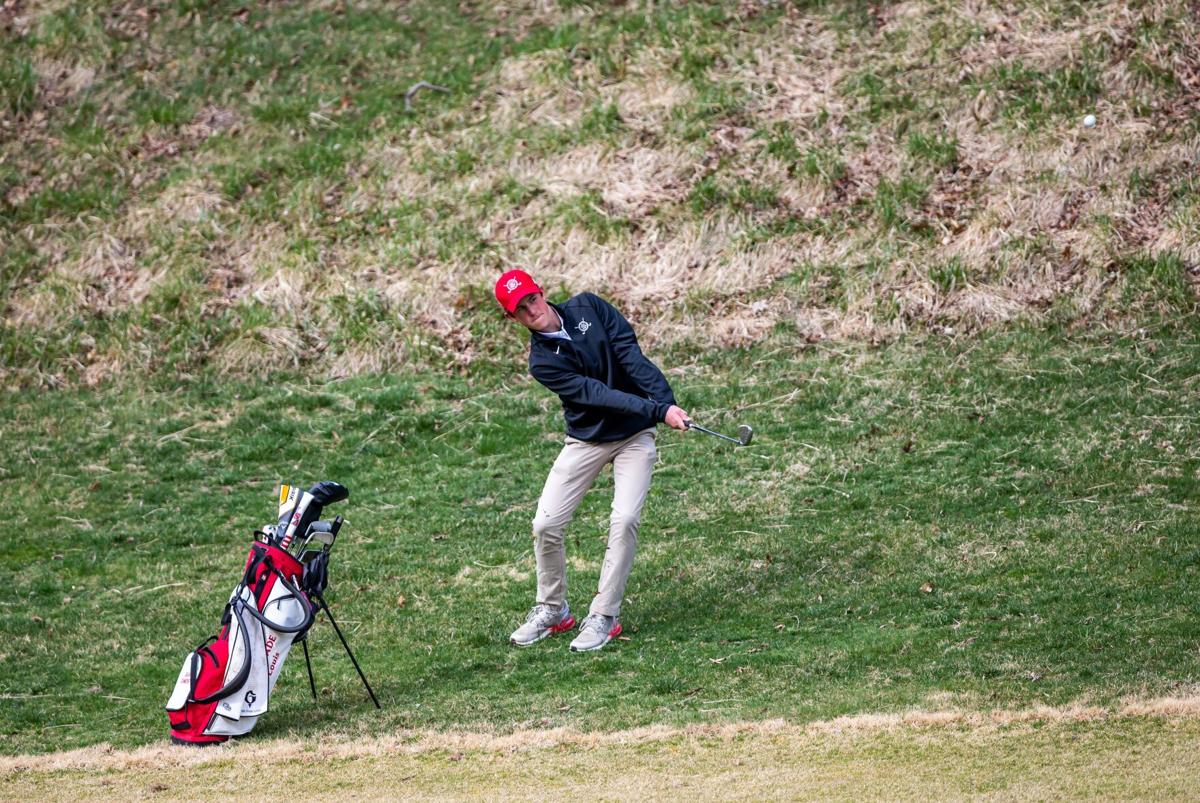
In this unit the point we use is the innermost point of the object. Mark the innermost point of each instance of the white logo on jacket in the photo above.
(583, 326)
(512, 284)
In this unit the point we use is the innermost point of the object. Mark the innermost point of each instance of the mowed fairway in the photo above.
(1078, 754)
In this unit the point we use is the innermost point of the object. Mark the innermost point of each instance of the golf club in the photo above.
(316, 527)
(745, 433)
(323, 532)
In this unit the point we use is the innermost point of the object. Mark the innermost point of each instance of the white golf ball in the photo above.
(1089, 121)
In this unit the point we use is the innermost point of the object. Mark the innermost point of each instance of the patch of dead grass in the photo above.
(358, 359)
(211, 120)
(525, 90)
(260, 350)
(180, 205)
(650, 92)
(103, 757)
(61, 81)
(1034, 219)
(660, 265)
(633, 181)
(485, 576)
(797, 89)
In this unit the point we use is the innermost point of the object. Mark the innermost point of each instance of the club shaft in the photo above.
(714, 434)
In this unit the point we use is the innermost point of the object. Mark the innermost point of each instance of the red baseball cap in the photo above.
(512, 287)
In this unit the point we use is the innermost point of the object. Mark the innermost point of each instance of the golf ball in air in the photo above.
(1089, 121)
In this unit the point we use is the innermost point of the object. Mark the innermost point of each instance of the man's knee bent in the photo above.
(624, 524)
(548, 530)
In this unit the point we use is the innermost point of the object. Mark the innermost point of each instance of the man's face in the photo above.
(534, 313)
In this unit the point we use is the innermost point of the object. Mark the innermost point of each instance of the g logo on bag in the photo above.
(251, 697)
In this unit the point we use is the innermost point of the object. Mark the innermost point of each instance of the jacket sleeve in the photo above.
(587, 392)
(638, 367)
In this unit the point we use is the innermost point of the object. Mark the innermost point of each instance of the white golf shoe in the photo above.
(596, 631)
(543, 620)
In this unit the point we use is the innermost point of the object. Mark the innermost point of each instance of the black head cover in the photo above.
(316, 573)
(327, 492)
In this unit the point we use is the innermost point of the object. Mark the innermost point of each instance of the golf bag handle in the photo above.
(237, 606)
(296, 592)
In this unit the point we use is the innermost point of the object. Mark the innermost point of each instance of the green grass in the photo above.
(1035, 95)
(948, 276)
(587, 211)
(1006, 520)
(941, 151)
(996, 520)
(18, 84)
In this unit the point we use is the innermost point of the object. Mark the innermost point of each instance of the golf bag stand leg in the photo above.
(325, 607)
(312, 684)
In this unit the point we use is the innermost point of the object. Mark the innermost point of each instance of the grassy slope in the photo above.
(1045, 488)
(223, 193)
(197, 188)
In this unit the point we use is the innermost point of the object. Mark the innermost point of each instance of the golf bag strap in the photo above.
(234, 684)
(262, 617)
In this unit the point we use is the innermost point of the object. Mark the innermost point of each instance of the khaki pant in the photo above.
(574, 471)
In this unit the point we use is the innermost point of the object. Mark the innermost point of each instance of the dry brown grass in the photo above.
(1082, 752)
(1037, 219)
(525, 92)
(104, 757)
(633, 181)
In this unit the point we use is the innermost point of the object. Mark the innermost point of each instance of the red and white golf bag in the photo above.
(226, 683)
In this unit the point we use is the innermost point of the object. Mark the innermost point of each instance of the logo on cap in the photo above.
(512, 286)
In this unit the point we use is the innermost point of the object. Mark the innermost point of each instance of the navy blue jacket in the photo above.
(609, 389)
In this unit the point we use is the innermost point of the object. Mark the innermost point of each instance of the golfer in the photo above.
(612, 398)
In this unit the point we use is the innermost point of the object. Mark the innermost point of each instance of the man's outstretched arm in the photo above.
(645, 374)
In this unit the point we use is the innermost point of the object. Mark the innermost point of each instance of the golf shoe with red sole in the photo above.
(542, 621)
(596, 631)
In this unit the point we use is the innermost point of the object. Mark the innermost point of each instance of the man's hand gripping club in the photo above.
(676, 418)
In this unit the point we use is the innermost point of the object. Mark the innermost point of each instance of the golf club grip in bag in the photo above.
(226, 682)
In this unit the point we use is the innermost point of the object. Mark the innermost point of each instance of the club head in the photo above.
(325, 538)
(745, 434)
(327, 492)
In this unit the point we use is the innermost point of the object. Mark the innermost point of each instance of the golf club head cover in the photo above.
(327, 492)
(308, 508)
(316, 574)
(288, 497)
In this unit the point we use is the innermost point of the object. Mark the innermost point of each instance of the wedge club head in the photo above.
(745, 434)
